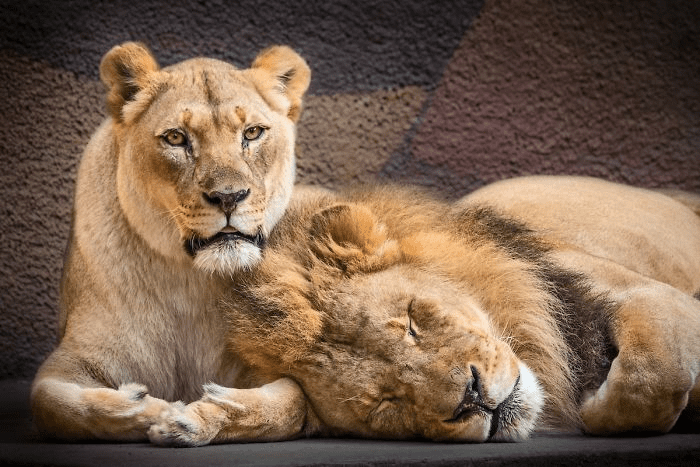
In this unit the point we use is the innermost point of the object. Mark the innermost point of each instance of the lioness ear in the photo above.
(279, 71)
(125, 70)
(352, 238)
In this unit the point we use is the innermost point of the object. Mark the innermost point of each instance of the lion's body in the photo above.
(640, 230)
(384, 305)
(641, 249)
(176, 192)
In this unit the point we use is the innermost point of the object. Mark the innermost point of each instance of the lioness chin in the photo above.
(177, 192)
(531, 303)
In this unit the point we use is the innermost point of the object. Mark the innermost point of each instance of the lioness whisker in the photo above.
(355, 398)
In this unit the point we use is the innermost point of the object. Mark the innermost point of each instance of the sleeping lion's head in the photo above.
(205, 151)
(385, 341)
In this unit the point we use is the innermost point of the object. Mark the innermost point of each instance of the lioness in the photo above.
(177, 191)
(534, 302)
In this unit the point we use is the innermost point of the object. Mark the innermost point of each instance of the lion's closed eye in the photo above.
(410, 329)
(405, 327)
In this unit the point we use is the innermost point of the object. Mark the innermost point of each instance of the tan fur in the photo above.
(169, 169)
(382, 310)
(642, 249)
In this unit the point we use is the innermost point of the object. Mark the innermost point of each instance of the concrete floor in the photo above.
(19, 445)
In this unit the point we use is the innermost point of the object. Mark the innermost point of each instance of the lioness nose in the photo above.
(225, 200)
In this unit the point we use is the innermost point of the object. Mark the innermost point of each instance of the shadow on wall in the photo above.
(450, 97)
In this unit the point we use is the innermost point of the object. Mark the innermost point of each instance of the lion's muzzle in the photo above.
(234, 237)
(510, 419)
(473, 404)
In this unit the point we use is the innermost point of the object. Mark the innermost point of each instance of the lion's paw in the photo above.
(180, 428)
(125, 413)
(126, 401)
(633, 401)
(198, 423)
(133, 391)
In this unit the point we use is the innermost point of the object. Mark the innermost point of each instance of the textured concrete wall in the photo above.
(450, 94)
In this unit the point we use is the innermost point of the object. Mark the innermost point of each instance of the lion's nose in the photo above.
(473, 403)
(472, 400)
(227, 201)
(474, 393)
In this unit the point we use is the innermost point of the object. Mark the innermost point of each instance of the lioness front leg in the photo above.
(274, 412)
(73, 412)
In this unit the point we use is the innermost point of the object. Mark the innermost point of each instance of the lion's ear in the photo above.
(350, 237)
(125, 70)
(279, 71)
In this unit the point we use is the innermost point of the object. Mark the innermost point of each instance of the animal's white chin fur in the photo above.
(529, 400)
(227, 257)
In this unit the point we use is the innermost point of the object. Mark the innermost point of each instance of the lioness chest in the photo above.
(181, 342)
(160, 327)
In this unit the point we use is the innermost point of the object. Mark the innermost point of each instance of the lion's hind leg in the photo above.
(656, 329)
(650, 381)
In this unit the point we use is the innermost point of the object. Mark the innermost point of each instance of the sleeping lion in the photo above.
(533, 303)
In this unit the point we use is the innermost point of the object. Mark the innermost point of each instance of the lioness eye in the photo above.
(175, 138)
(253, 133)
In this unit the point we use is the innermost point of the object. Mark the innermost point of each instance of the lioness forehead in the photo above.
(203, 117)
(199, 64)
(196, 97)
(211, 81)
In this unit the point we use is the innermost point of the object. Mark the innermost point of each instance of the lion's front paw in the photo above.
(198, 423)
(273, 412)
(181, 427)
(125, 413)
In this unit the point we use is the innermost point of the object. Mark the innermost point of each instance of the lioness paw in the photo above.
(178, 430)
(134, 391)
(125, 413)
(127, 401)
(191, 425)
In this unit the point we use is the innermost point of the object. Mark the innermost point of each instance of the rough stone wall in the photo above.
(451, 94)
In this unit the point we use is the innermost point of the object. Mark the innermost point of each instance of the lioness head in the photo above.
(383, 343)
(205, 151)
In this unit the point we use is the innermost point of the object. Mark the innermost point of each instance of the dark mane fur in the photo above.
(583, 318)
